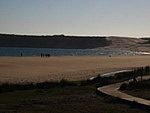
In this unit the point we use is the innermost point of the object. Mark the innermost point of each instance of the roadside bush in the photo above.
(144, 84)
(123, 86)
(7, 87)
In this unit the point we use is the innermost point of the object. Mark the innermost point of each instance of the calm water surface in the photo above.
(9, 51)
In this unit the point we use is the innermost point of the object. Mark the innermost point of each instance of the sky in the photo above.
(76, 17)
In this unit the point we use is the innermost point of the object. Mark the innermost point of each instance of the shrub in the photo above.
(123, 86)
(7, 87)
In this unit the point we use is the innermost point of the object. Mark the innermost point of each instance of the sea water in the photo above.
(13, 51)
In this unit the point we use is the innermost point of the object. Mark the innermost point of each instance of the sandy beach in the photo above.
(37, 69)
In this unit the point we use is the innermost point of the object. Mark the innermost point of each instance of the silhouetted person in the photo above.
(45, 55)
(21, 54)
(48, 55)
(42, 55)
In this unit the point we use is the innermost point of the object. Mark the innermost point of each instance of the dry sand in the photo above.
(36, 69)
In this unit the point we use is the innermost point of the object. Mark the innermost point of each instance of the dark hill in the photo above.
(55, 41)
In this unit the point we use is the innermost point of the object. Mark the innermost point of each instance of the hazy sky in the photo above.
(76, 17)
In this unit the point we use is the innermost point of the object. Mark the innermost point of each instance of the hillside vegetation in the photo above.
(55, 41)
(76, 42)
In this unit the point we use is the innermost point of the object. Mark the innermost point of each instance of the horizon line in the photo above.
(61, 34)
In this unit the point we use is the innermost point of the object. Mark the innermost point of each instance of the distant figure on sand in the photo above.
(42, 55)
(47, 55)
(21, 54)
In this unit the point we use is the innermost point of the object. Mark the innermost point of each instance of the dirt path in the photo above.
(112, 90)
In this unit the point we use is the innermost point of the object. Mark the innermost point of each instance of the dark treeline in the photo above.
(55, 41)
(101, 81)
(141, 84)
(138, 84)
(7, 87)
(140, 71)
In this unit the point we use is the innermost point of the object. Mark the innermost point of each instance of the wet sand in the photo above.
(37, 69)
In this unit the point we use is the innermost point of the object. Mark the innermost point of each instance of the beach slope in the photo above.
(37, 69)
